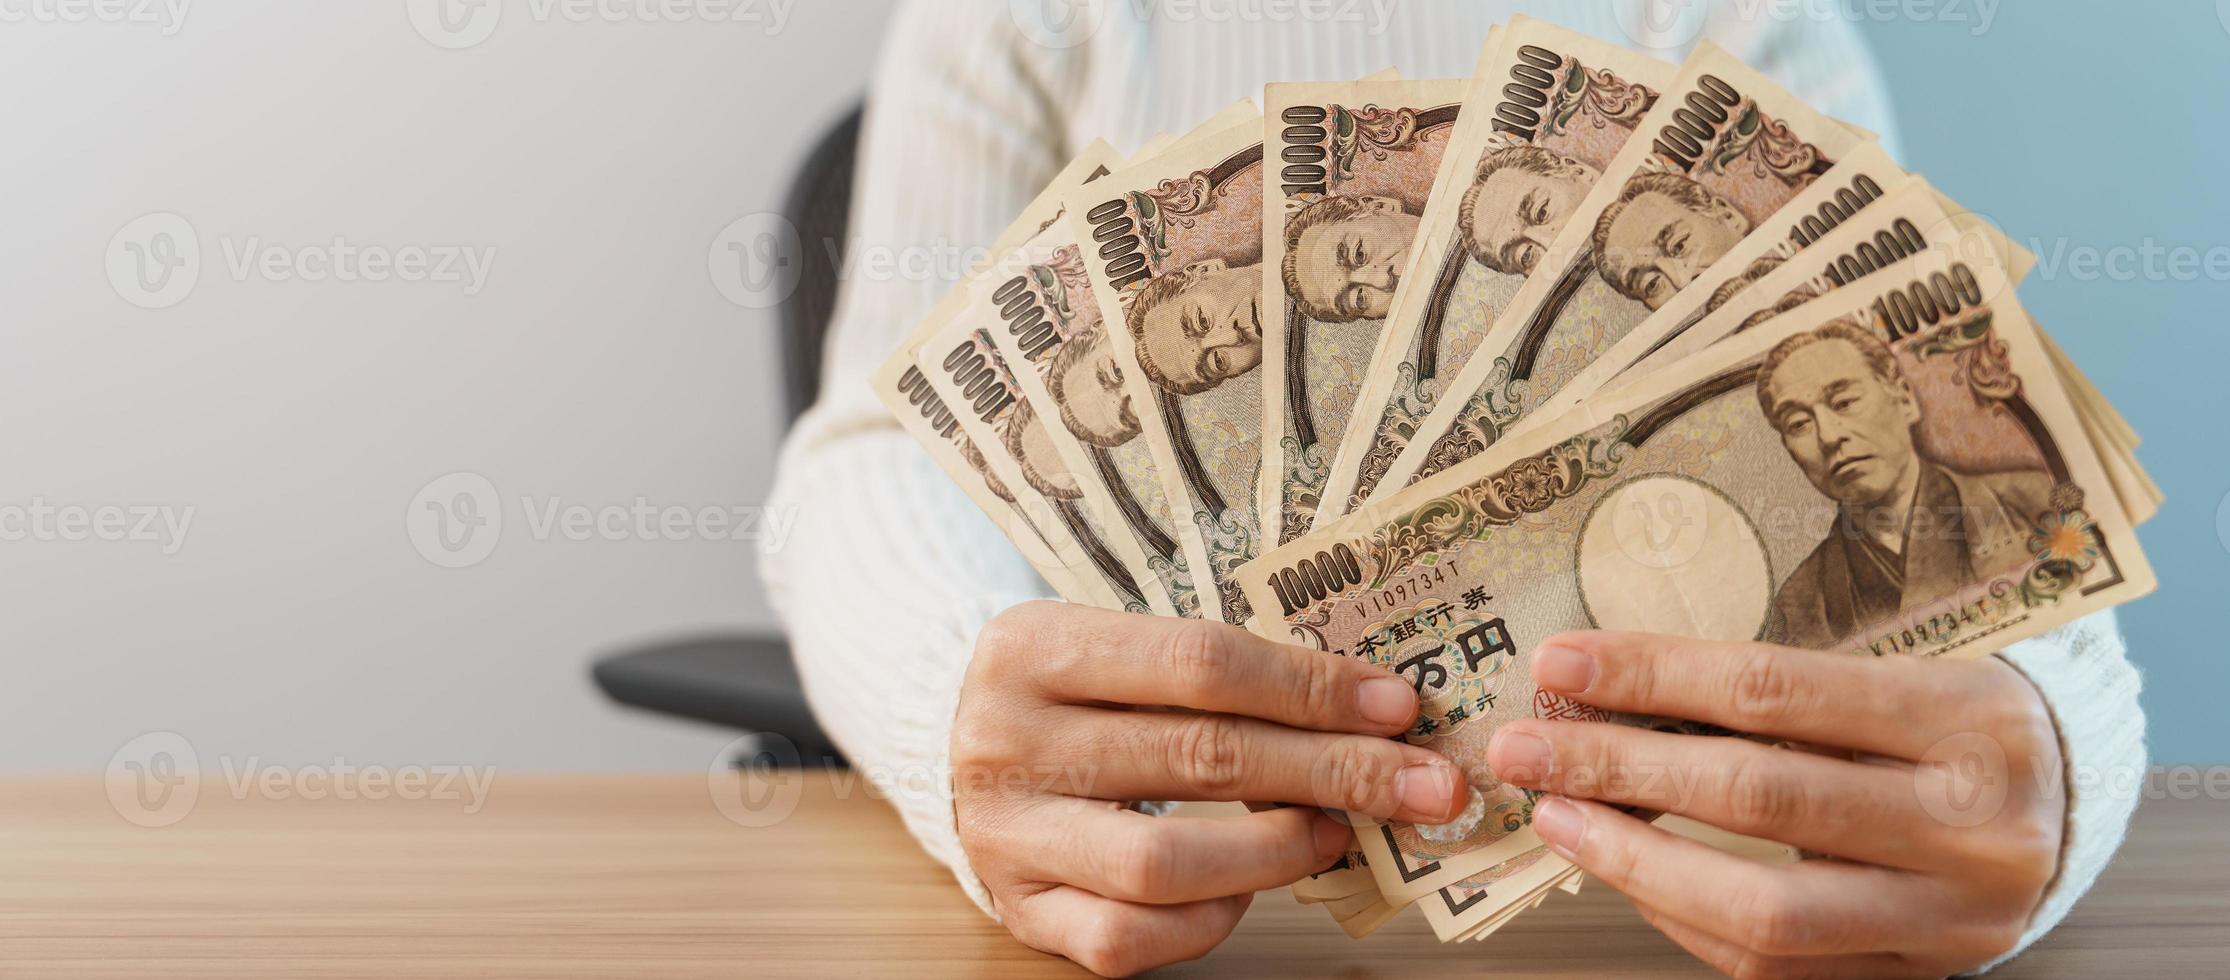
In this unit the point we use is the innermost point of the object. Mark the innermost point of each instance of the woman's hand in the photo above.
(1936, 785)
(1059, 719)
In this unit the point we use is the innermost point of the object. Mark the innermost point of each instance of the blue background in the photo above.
(2099, 127)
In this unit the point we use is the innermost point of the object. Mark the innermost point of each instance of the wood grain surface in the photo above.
(586, 876)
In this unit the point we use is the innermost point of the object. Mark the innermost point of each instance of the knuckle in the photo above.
(1358, 774)
(1777, 925)
(1204, 754)
(1198, 655)
(1006, 645)
(1760, 797)
(1322, 690)
(1765, 688)
(1144, 865)
(983, 737)
(1103, 945)
(2023, 853)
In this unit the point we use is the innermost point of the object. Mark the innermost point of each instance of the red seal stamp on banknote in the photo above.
(1557, 707)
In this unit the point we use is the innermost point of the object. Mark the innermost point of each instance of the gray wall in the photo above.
(597, 364)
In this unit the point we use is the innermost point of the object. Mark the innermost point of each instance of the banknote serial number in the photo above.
(1337, 572)
(1400, 594)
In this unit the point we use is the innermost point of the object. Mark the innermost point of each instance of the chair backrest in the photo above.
(819, 206)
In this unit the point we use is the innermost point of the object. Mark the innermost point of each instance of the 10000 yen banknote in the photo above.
(901, 386)
(1892, 469)
(1548, 109)
(1722, 152)
(1035, 306)
(1352, 168)
(1856, 182)
(965, 369)
(1175, 260)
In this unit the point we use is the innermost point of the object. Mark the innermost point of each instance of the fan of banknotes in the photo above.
(1425, 371)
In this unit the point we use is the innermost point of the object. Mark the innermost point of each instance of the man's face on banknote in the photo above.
(1663, 232)
(1521, 199)
(1032, 446)
(1845, 417)
(1346, 256)
(1200, 326)
(1087, 383)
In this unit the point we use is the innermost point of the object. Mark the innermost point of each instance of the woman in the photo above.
(956, 671)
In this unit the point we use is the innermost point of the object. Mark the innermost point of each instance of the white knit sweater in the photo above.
(891, 571)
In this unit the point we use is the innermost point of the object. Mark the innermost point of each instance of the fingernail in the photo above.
(1426, 791)
(1386, 701)
(1560, 825)
(1564, 669)
(1331, 837)
(1521, 757)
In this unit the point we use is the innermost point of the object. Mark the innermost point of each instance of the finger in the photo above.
(1812, 908)
(1114, 938)
(1865, 813)
(1159, 755)
(1132, 857)
(1077, 654)
(1735, 961)
(1896, 706)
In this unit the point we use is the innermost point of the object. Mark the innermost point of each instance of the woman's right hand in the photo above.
(1067, 712)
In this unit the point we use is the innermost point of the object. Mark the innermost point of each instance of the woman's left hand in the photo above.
(1936, 787)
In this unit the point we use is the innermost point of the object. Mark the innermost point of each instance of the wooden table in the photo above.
(576, 876)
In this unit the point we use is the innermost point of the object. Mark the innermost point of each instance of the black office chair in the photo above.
(750, 682)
